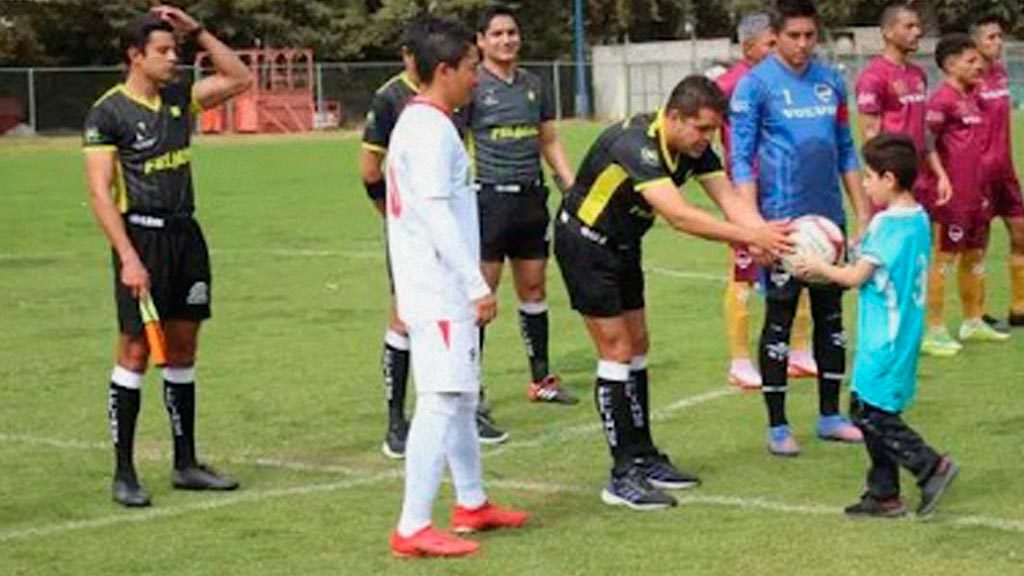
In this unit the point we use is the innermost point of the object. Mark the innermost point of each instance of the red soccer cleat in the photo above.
(486, 517)
(431, 543)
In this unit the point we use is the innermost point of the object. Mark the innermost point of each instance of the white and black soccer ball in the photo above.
(817, 237)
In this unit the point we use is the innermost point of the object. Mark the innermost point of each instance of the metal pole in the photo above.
(582, 97)
(32, 100)
(320, 95)
(557, 81)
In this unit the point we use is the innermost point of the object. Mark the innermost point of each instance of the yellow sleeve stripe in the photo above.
(374, 148)
(194, 104)
(652, 183)
(100, 148)
(711, 175)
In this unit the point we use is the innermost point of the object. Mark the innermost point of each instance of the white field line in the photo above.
(684, 275)
(135, 517)
(360, 478)
(569, 432)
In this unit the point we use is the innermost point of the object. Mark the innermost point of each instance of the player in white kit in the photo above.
(434, 244)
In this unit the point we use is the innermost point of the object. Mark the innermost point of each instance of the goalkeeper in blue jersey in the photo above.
(790, 119)
(892, 273)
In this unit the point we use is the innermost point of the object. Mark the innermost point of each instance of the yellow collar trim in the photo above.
(657, 128)
(408, 82)
(153, 105)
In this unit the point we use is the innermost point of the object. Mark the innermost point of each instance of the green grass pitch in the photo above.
(290, 401)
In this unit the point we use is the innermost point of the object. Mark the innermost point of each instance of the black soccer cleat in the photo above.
(487, 430)
(129, 493)
(871, 507)
(997, 324)
(631, 489)
(394, 442)
(660, 472)
(202, 477)
(932, 490)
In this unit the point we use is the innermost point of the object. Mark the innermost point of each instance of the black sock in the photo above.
(122, 412)
(773, 357)
(180, 400)
(395, 365)
(776, 402)
(640, 410)
(534, 330)
(613, 408)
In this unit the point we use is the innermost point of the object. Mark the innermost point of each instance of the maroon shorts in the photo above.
(744, 269)
(1005, 196)
(963, 233)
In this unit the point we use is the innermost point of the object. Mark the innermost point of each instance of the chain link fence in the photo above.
(55, 100)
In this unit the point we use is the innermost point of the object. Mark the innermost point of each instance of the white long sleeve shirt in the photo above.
(432, 220)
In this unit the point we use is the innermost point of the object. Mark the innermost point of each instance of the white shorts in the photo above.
(446, 356)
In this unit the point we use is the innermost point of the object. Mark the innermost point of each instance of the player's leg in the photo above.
(882, 497)
(529, 276)
(656, 465)
(188, 304)
(937, 341)
(801, 360)
(628, 484)
(781, 293)
(124, 398)
(180, 400)
(395, 369)
(1015, 227)
(124, 395)
(494, 248)
(830, 354)
(971, 284)
(736, 310)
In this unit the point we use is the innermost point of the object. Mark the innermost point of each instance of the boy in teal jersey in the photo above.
(892, 273)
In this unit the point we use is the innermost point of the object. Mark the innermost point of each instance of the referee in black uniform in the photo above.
(632, 172)
(510, 128)
(387, 104)
(137, 163)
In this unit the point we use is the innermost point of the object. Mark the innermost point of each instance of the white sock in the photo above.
(464, 453)
(424, 459)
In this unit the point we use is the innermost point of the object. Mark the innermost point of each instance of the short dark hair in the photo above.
(952, 45)
(785, 10)
(136, 34)
(492, 12)
(695, 93)
(437, 41)
(412, 29)
(893, 11)
(894, 154)
(986, 19)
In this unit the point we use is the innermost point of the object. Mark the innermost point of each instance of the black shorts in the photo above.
(178, 262)
(514, 224)
(602, 281)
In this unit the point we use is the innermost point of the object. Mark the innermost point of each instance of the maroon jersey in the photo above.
(958, 125)
(898, 95)
(994, 101)
(727, 82)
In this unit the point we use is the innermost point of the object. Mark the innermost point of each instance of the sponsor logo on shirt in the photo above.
(824, 92)
(142, 141)
(998, 94)
(650, 156)
(810, 112)
(490, 99)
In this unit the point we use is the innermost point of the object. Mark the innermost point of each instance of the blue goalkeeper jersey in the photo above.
(791, 135)
(892, 308)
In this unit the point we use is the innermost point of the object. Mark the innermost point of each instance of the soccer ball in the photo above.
(814, 236)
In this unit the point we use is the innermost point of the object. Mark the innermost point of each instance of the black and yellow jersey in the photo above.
(627, 158)
(387, 104)
(151, 139)
(503, 131)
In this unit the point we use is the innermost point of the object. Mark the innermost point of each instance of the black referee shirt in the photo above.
(152, 140)
(627, 158)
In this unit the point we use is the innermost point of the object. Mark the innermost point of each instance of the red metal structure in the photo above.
(280, 101)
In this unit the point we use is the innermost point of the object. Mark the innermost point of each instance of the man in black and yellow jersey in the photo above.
(630, 174)
(510, 128)
(385, 107)
(137, 162)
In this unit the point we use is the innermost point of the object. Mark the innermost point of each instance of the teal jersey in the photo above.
(892, 308)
